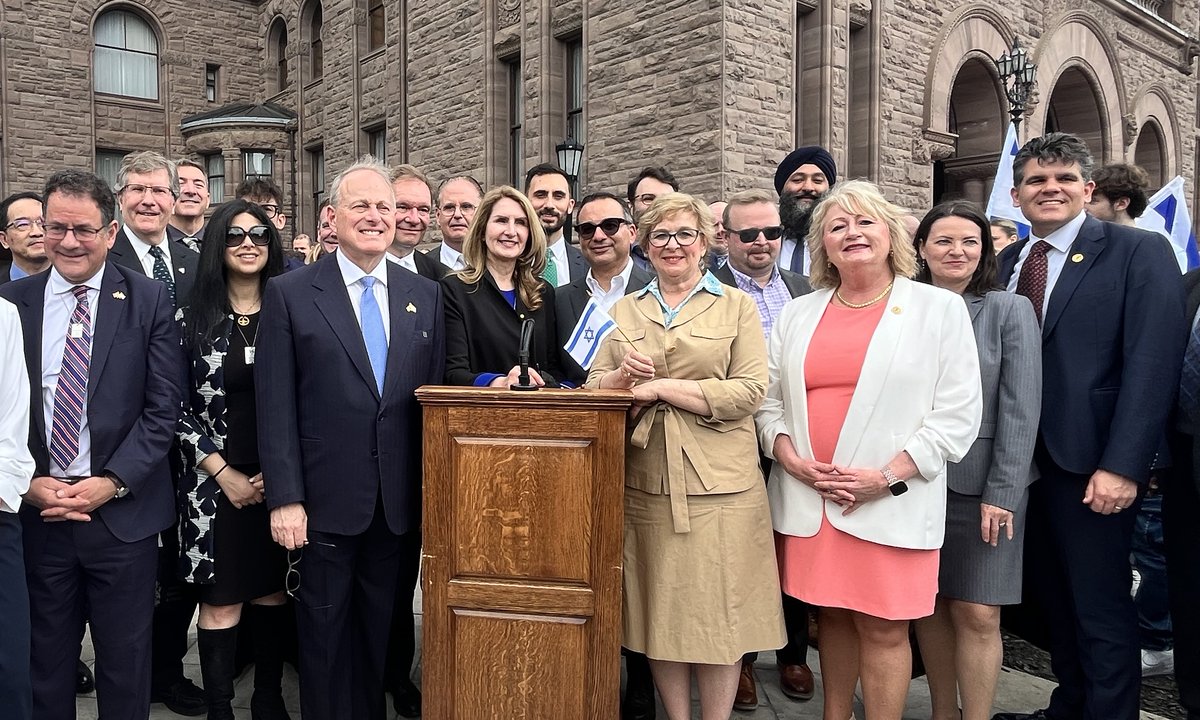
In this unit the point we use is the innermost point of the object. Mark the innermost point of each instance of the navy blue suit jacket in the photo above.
(1112, 347)
(134, 391)
(326, 437)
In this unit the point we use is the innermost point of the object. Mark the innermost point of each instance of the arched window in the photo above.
(316, 51)
(126, 57)
(278, 44)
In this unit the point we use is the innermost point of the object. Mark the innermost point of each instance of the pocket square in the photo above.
(411, 308)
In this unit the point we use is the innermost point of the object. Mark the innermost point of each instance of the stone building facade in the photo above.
(904, 92)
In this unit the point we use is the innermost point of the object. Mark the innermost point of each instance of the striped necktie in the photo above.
(71, 392)
(161, 272)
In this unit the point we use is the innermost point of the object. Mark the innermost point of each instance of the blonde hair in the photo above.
(677, 203)
(314, 251)
(527, 275)
(860, 198)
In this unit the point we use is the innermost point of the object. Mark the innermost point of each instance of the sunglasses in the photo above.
(259, 235)
(610, 226)
(749, 235)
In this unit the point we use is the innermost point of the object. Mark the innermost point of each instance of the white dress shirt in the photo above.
(353, 275)
(787, 248)
(59, 305)
(405, 262)
(616, 290)
(451, 258)
(1060, 243)
(16, 464)
(562, 265)
(142, 249)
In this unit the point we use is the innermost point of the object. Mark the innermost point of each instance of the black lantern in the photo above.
(1017, 75)
(570, 157)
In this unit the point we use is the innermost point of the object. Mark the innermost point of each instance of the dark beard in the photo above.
(795, 216)
(558, 225)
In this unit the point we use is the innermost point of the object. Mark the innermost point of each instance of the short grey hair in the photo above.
(145, 162)
(366, 162)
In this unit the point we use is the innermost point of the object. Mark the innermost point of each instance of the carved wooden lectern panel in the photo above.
(522, 553)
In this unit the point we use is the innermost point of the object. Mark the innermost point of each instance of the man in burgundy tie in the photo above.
(1110, 301)
(103, 356)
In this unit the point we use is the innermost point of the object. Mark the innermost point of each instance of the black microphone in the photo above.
(523, 382)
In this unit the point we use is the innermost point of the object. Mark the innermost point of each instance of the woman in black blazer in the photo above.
(486, 302)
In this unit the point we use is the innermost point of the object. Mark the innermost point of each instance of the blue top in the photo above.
(708, 283)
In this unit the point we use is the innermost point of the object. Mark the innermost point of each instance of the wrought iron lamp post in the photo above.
(1017, 75)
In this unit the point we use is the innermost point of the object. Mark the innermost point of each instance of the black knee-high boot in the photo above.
(217, 649)
(270, 628)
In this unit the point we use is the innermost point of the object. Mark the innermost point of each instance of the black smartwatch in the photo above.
(896, 486)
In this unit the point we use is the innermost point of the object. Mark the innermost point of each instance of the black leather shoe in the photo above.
(638, 705)
(406, 700)
(181, 697)
(85, 681)
(1035, 715)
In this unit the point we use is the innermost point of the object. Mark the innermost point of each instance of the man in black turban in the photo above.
(801, 180)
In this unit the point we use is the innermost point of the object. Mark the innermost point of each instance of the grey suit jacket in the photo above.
(999, 466)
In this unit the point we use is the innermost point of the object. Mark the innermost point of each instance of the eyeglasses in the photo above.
(610, 226)
(645, 198)
(291, 579)
(24, 224)
(259, 235)
(57, 231)
(449, 209)
(749, 235)
(683, 237)
(271, 209)
(158, 192)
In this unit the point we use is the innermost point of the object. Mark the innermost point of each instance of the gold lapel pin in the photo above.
(411, 308)
(896, 310)
(1077, 258)
(119, 295)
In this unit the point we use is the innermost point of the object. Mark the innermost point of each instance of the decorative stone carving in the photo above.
(1191, 49)
(1129, 128)
(860, 13)
(930, 146)
(508, 12)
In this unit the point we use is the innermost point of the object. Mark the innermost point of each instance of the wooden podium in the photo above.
(523, 526)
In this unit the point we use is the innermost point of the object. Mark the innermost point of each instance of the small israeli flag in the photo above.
(594, 325)
(1000, 203)
(1167, 214)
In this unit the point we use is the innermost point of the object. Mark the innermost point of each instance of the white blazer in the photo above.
(919, 391)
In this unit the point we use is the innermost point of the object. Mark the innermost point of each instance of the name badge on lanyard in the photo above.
(250, 355)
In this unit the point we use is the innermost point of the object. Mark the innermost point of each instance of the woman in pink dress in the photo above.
(873, 387)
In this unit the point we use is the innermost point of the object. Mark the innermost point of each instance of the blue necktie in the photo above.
(372, 330)
(161, 272)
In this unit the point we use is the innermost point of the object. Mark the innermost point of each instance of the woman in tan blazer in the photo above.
(701, 586)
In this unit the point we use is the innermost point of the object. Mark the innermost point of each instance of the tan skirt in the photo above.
(707, 596)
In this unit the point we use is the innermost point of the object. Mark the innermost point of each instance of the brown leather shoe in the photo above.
(796, 681)
(746, 699)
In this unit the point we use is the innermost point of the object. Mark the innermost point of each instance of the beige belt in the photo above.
(679, 441)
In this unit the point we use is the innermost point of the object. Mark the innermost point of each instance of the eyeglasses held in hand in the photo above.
(291, 580)
(259, 235)
(58, 231)
(610, 226)
(683, 237)
(749, 235)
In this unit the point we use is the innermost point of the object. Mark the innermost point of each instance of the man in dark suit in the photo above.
(147, 187)
(1181, 507)
(549, 191)
(104, 365)
(754, 236)
(606, 234)
(187, 221)
(341, 449)
(414, 209)
(1110, 301)
(22, 234)
(16, 469)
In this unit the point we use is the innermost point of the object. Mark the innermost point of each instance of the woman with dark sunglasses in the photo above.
(226, 545)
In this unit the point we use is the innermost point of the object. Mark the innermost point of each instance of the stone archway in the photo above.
(1079, 84)
(977, 118)
(1152, 105)
(1075, 108)
(1150, 154)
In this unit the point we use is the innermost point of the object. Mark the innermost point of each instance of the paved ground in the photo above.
(1017, 692)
